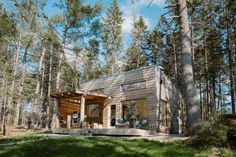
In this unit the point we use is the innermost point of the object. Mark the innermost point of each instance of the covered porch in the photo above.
(82, 109)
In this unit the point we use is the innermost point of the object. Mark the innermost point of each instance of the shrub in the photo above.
(232, 134)
(211, 133)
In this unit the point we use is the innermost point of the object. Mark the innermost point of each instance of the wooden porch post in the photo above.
(82, 110)
(68, 121)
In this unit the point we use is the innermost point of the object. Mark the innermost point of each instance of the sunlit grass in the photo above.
(43, 146)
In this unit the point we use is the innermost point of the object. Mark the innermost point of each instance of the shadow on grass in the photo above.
(95, 147)
(6, 140)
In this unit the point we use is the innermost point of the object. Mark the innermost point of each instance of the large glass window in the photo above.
(94, 110)
(113, 115)
(93, 113)
(135, 113)
(133, 86)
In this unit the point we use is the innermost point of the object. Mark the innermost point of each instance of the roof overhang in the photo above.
(78, 94)
(70, 101)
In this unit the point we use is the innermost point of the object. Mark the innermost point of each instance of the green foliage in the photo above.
(111, 36)
(232, 133)
(134, 58)
(7, 28)
(140, 33)
(155, 45)
(135, 55)
(212, 133)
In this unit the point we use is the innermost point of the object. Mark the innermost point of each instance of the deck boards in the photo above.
(105, 132)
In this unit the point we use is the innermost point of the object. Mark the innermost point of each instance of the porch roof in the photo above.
(78, 94)
(71, 101)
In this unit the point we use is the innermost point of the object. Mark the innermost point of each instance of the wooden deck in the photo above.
(104, 132)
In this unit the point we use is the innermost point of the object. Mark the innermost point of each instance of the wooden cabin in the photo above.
(142, 98)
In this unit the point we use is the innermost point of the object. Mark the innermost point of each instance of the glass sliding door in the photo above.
(113, 115)
(135, 113)
(164, 117)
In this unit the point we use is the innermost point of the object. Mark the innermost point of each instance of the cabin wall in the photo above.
(152, 93)
(112, 87)
(172, 96)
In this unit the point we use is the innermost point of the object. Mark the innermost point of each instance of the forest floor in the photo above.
(41, 145)
(15, 131)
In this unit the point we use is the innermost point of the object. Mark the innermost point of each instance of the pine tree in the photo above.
(140, 34)
(134, 58)
(135, 55)
(111, 36)
(190, 92)
(155, 45)
(75, 18)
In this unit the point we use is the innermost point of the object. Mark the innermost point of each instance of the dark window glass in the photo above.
(133, 86)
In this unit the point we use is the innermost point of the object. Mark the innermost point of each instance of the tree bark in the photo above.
(231, 71)
(6, 111)
(49, 89)
(60, 60)
(207, 107)
(190, 92)
(219, 93)
(16, 60)
(37, 95)
(22, 81)
(3, 96)
(212, 96)
(175, 58)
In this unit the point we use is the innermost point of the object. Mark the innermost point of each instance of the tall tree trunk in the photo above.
(220, 93)
(207, 107)
(192, 45)
(9, 103)
(49, 106)
(37, 96)
(190, 92)
(22, 81)
(175, 58)
(201, 104)
(3, 99)
(54, 111)
(60, 60)
(6, 111)
(176, 64)
(42, 81)
(212, 96)
(59, 71)
(231, 71)
(4, 94)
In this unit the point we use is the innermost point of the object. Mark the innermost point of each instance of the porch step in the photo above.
(81, 132)
(105, 132)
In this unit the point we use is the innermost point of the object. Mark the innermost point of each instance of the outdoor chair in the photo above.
(141, 123)
(121, 124)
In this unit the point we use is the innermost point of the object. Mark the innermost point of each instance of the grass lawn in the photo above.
(43, 146)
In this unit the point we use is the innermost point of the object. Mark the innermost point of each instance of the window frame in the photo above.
(134, 84)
